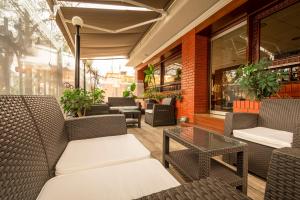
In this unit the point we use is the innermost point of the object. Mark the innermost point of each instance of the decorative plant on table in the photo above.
(76, 101)
(258, 81)
(129, 92)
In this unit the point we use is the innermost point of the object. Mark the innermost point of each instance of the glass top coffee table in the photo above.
(196, 160)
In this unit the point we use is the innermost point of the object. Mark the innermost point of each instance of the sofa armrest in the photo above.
(95, 126)
(283, 175)
(235, 121)
(296, 138)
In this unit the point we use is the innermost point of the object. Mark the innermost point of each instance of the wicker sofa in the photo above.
(117, 103)
(276, 126)
(282, 183)
(43, 156)
(161, 114)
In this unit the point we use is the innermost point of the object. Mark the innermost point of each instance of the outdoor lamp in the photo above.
(77, 21)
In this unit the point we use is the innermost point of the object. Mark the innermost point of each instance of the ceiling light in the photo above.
(99, 6)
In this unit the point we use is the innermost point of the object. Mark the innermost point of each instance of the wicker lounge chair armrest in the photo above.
(162, 108)
(235, 121)
(95, 126)
(296, 138)
(283, 175)
(205, 189)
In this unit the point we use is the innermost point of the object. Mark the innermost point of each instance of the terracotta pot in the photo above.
(246, 106)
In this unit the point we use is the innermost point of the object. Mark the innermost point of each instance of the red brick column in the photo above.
(195, 81)
(140, 76)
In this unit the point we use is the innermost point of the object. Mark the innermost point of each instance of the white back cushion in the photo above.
(265, 136)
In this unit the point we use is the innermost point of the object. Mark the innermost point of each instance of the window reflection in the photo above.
(34, 58)
(228, 52)
(173, 69)
(280, 34)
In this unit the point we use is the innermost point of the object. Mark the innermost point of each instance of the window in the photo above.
(280, 34)
(173, 69)
(157, 75)
(228, 52)
(34, 58)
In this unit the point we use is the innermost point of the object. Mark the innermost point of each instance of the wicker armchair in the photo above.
(282, 182)
(161, 114)
(277, 114)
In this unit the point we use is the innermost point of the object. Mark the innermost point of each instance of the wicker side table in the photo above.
(196, 161)
(132, 116)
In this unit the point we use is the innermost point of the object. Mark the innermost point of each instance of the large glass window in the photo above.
(173, 69)
(280, 34)
(34, 58)
(228, 52)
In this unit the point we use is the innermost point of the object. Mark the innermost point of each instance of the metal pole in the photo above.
(84, 83)
(77, 57)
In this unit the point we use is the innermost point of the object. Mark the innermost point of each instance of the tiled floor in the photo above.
(152, 138)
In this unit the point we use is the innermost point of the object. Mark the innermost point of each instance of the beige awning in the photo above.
(104, 34)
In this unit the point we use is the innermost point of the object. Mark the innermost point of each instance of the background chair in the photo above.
(161, 114)
(277, 125)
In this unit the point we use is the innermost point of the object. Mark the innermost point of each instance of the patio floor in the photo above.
(151, 137)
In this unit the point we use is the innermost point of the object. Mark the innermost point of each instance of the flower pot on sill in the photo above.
(246, 106)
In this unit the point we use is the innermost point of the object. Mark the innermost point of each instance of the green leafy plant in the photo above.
(150, 76)
(258, 81)
(98, 95)
(76, 101)
(129, 92)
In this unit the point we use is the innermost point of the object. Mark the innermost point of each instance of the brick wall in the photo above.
(194, 82)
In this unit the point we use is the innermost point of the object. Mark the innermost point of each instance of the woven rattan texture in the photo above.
(24, 169)
(281, 114)
(50, 123)
(205, 189)
(284, 175)
(96, 126)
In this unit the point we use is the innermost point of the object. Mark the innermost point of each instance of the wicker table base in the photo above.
(196, 161)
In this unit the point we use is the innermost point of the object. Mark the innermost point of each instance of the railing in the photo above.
(174, 86)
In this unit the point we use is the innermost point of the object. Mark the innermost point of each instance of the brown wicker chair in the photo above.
(161, 114)
(279, 114)
(282, 182)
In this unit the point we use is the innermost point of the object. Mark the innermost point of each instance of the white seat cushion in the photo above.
(119, 182)
(149, 111)
(265, 136)
(124, 107)
(100, 152)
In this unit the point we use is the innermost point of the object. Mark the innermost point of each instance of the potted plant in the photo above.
(152, 90)
(75, 102)
(258, 82)
(129, 92)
